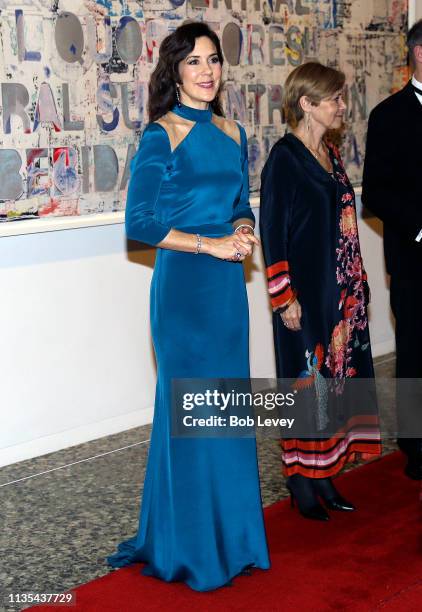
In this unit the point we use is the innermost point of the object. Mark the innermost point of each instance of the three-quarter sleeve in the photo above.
(242, 209)
(148, 166)
(278, 190)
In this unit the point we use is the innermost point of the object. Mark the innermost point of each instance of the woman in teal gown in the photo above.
(201, 517)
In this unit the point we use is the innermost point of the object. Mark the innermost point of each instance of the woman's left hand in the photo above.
(291, 317)
(246, 239)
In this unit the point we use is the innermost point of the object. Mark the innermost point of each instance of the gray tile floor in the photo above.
(69, 509)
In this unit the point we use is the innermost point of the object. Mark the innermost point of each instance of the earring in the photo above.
(308, 122)
(178, 96)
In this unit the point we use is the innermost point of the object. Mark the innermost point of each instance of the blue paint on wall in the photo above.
(335, 13)
(105, 3)
(108, 5)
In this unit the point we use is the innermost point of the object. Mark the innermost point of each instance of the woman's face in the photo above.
(200, 74)
(330, 111)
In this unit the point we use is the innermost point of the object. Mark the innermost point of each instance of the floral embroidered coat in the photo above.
(311, 249)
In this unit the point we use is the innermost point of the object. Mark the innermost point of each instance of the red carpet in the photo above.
(364, 561)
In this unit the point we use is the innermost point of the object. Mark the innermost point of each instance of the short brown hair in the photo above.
(414, 39)
(312, 80)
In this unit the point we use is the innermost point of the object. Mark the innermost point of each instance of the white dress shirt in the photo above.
(418, 84)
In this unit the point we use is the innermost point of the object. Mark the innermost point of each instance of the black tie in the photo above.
(419, 91)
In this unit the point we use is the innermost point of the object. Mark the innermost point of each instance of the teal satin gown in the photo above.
(201, 516)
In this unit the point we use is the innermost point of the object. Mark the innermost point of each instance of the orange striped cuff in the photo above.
(285, 299)
(281, 293)
(281, 267)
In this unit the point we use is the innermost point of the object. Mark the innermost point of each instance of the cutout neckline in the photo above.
(192, 114)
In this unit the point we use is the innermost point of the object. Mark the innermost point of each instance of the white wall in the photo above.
(415, 11)
(75, 358)
(76, 361)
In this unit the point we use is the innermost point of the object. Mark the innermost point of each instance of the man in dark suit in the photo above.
(392, 190)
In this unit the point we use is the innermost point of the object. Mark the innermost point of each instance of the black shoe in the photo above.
(406, 445)
(413, 470)
(339, 503)
(330, 496)
(300, 489)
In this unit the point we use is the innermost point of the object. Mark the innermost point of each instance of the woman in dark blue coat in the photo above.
(318, 289)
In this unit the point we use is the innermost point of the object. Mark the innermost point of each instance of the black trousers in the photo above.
(406, 304)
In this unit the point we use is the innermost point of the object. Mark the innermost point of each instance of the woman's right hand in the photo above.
(291, 317)
(227, 246)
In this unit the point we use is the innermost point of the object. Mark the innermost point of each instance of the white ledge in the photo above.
(54, 224)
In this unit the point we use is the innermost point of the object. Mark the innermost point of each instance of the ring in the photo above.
(238, 255)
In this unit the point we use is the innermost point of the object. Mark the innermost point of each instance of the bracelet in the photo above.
(198, 244)
(244, 225)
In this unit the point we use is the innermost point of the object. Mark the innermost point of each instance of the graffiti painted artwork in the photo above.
(74, 85)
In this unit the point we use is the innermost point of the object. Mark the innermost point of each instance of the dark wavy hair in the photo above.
(173, 49)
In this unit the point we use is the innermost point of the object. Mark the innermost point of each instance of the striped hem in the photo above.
(319, 466)
(357, 424)
(324, 458)
(354, 454)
